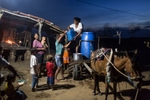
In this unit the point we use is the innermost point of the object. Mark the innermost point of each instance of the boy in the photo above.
(33, 69)
(50, 71)
(12, 92)
(77, 26)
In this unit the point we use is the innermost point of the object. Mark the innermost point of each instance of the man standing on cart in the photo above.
(78, 28)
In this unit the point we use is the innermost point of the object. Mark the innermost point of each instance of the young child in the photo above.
(33, 69)
(43, 42)
(50, 71)
(12, 92)
(66, 57)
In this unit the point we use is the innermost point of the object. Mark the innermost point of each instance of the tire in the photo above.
(76, 73)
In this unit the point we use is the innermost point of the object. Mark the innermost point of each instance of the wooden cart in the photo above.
(75, 67)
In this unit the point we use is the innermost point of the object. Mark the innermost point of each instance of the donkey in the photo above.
(120, 62)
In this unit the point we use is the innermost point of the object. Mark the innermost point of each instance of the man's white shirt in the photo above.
(77, 29)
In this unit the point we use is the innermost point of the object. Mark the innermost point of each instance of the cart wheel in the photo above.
(76, 72)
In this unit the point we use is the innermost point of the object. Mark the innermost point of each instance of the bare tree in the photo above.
(134, 29)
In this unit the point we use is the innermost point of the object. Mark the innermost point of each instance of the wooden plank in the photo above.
(78, 62)
(48, 43)
(88, 68)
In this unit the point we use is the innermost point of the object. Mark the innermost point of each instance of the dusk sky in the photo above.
(93, 13)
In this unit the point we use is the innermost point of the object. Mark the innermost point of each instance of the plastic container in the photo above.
(87, 48)
(70, 35)
(87, 43)
(88, 36)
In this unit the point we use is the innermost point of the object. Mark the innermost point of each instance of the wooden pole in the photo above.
(40, 28)
(136, 95)
(48, 42)
(88, 68)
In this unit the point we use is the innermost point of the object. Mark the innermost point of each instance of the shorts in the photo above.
(50, 80)
(77, 41)
(58, 60)
(40, 58)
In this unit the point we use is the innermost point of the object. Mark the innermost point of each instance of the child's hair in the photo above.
(49, 58)
(10, 76)
(43, 37)
(33, 50)
(77, 19)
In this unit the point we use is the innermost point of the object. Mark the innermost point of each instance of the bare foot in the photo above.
(63, 78)
(56, 81)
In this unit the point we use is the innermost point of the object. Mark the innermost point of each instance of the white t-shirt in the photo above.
(33, 62)
(77, 29)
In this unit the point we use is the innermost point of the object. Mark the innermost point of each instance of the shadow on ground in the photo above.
(143, 94)
(56, 87)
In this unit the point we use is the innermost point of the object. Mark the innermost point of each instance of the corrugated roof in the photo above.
(18, 17)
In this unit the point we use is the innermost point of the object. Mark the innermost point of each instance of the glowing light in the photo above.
(9, 42)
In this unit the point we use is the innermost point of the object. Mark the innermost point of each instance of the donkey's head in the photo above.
(132, 68)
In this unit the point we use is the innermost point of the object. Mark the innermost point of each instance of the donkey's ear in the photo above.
(135, 52)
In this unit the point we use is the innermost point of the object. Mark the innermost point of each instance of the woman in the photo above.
(40, 55)
(78, 28)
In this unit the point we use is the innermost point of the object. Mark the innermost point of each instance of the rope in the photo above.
(116, 68)
(102, 53)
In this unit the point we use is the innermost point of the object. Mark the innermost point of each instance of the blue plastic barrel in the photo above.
(88, 36)
(87, 48)
(70, 35)
(87, 43)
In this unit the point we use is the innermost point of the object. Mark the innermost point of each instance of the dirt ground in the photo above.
(70, 89)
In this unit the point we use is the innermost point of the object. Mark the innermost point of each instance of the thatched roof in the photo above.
(21, 18)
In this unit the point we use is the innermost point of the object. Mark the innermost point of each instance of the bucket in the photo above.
(77, 56)
(70, 35)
